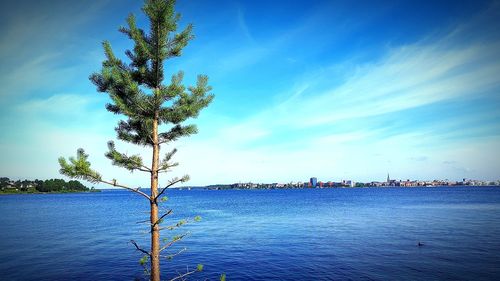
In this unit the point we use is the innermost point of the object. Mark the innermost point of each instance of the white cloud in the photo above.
(61, 104)
(410, 77)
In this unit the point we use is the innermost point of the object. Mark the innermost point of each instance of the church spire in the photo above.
(388, 179)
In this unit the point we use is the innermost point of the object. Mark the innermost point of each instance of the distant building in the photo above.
(313, 182)
(346, 182)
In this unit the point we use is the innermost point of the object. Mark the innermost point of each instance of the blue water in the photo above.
(329, 234)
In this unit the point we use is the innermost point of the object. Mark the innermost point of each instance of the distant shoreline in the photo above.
(50, 192)
(8, 186)
(325, 188)
(221, 189)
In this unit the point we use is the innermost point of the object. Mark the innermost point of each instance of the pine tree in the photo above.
(137, 91)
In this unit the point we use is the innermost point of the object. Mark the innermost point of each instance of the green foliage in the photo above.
(165, 164)
(223, 277)
(58, 185)
(164, 199)
(131, 163)
(50, 185)
(144, 260)
(197, 219)
(199, 267)
(4, 182)
(79, 168)
(125, 83)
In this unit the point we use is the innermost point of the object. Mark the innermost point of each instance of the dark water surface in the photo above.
(334, 234)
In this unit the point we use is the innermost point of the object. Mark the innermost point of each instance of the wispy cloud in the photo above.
(407, 77)
(62, 104)
(40, 47)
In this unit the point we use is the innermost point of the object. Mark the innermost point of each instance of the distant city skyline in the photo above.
(350, 89)
(347, 183)
(315, 183)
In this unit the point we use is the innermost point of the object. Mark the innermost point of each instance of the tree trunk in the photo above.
(155, 232)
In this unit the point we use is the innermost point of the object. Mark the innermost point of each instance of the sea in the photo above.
(434, 233)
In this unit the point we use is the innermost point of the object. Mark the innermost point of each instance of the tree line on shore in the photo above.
(35, 186)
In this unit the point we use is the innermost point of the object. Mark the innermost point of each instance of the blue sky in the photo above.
(332, 89)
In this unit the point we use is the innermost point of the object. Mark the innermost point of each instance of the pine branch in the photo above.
(79, 168)
(135, 131)
(161, 218)
(174, 240)
(173, 181)
(188, 105)
(141, 47)
(139, 248)
(165, 165)
(171, 256)
(176, 132)
(131, 163)
(174, 226)
(136, 190)
(182, 276)
(169, 155)
(174, 89)
(179, 41)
